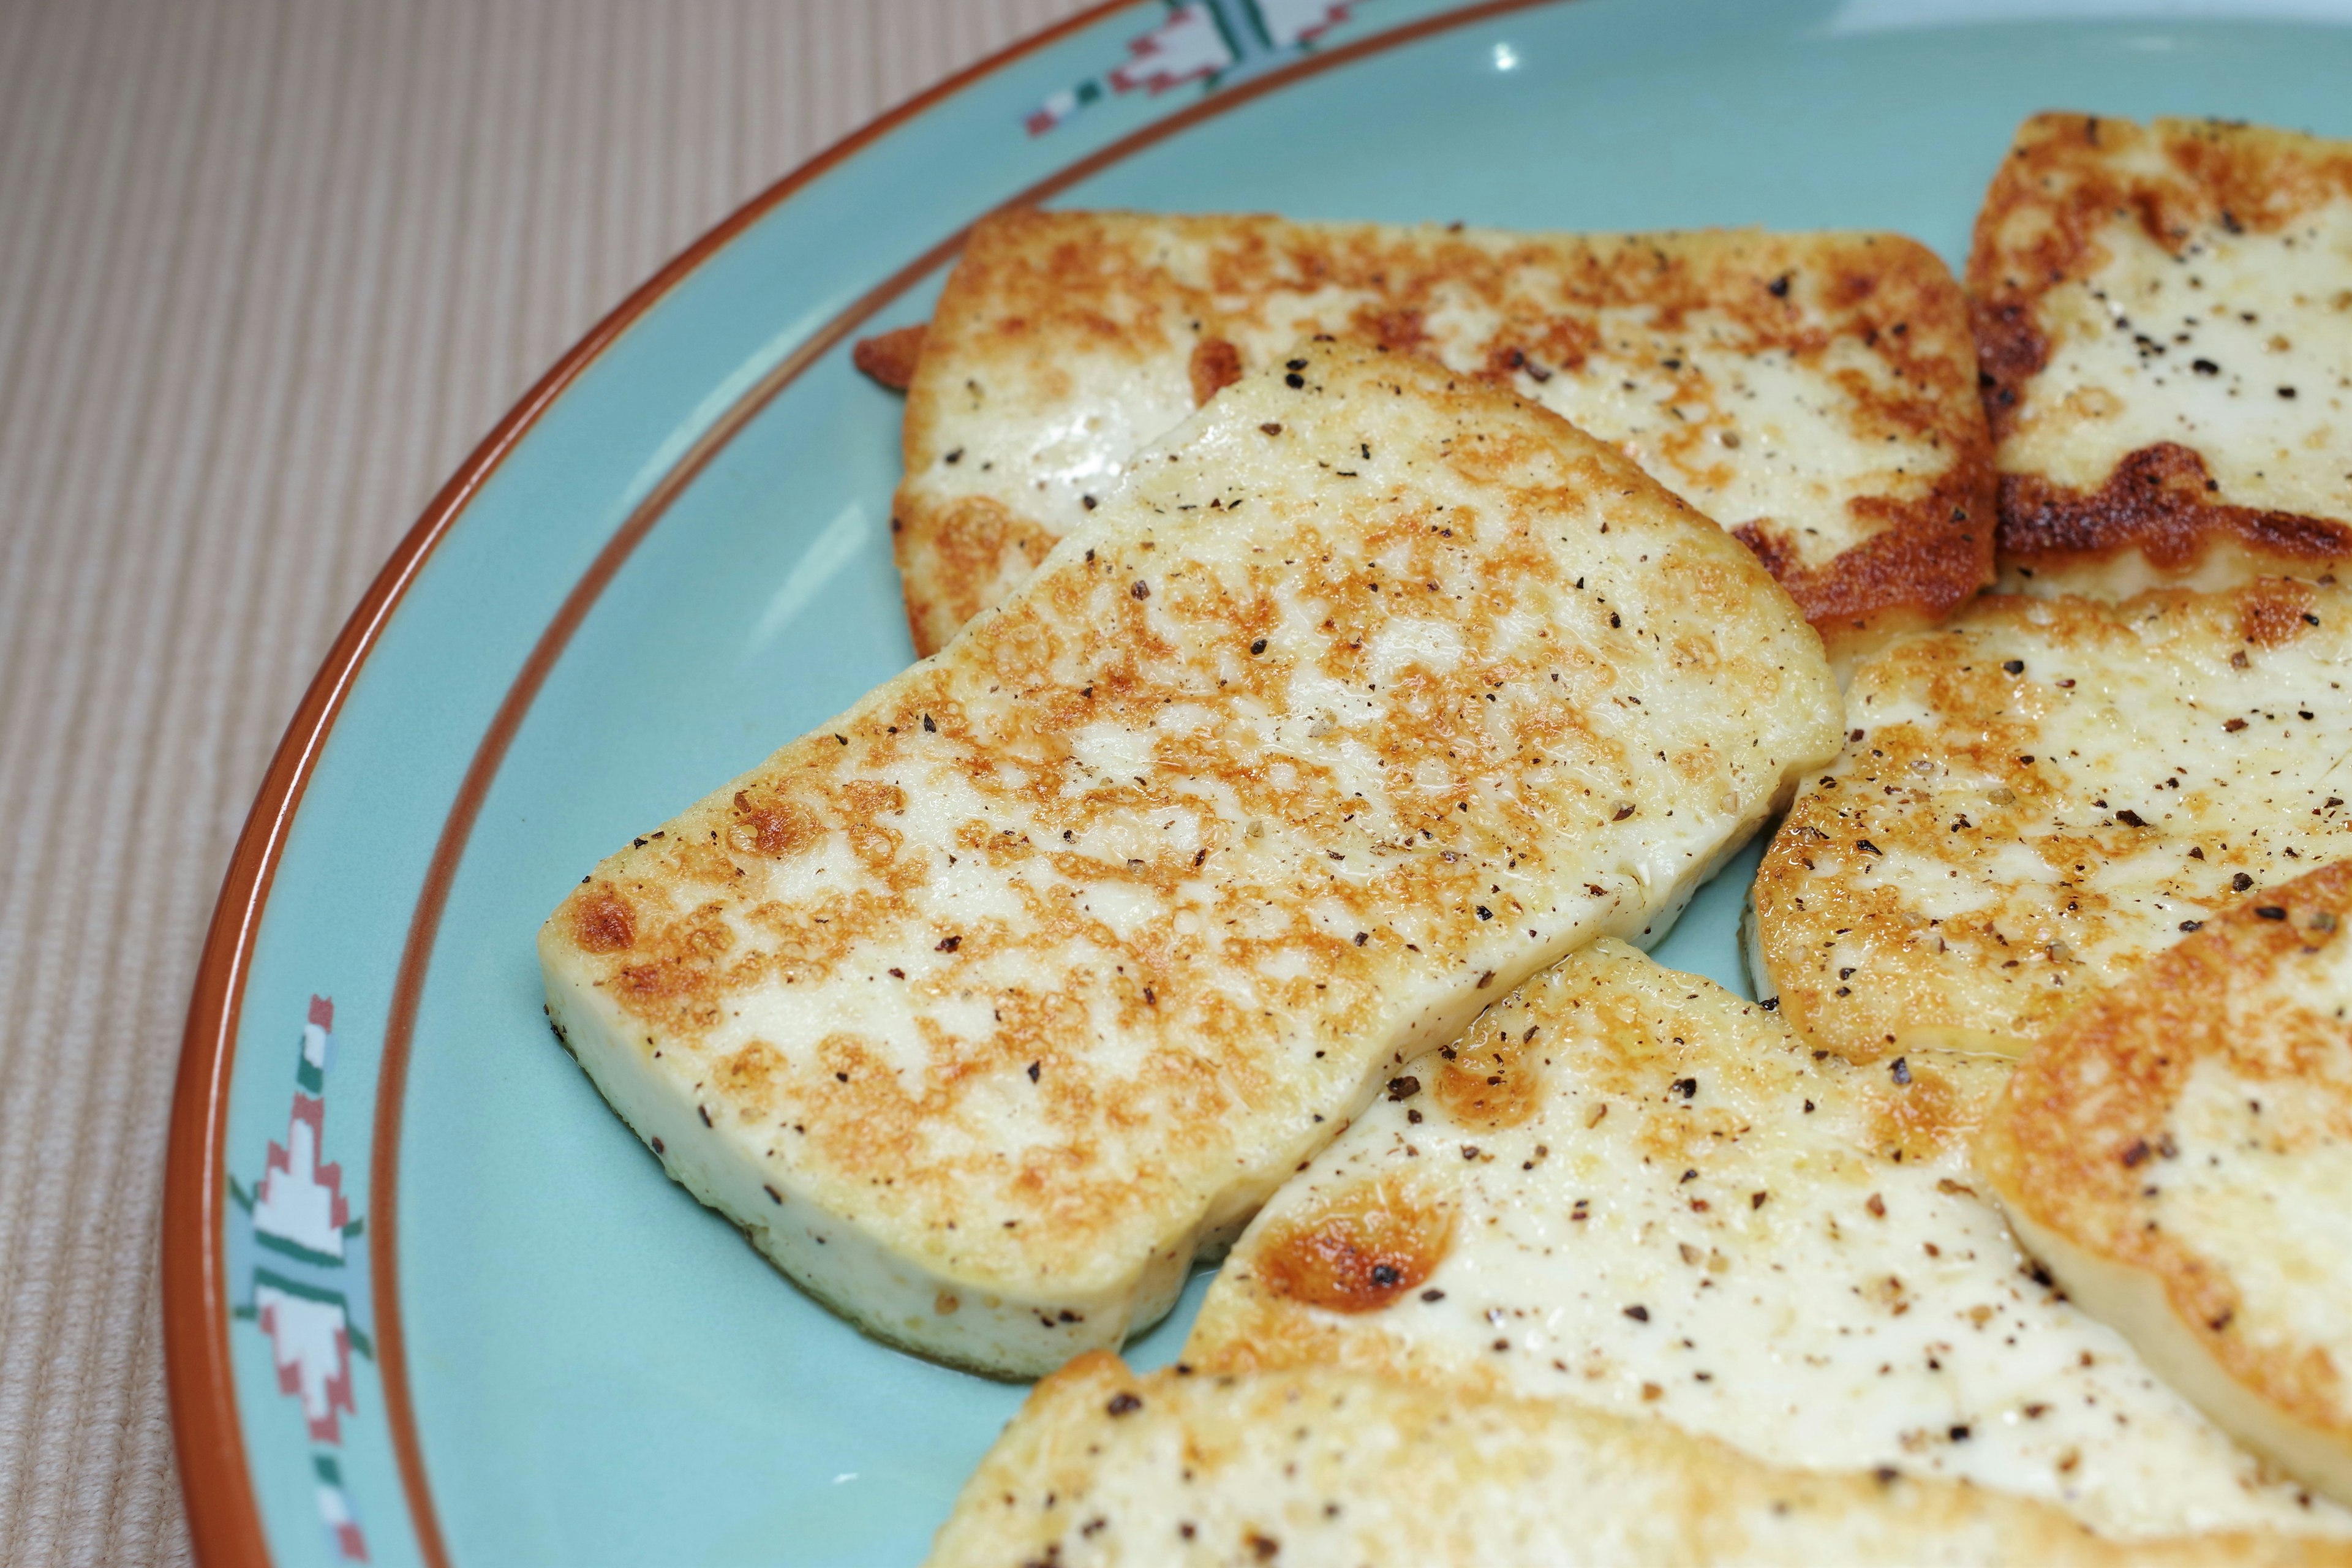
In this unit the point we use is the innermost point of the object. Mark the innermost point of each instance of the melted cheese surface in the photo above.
(2238, 346)
(2037, 796)
(1655, 1201)
(987, 1005)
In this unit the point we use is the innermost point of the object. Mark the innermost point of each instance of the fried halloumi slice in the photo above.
(2165, 317)
(986, 1006)
(2038, 797)
(1629, 1189)
(2178, 1150)
(1325, 1468)
(1816, 393)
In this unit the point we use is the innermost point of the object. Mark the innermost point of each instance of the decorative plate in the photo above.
(427, 1300)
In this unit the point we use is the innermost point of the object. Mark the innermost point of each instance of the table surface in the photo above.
(268, 268)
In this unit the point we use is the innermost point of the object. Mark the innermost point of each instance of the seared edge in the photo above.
(2077, 195)
(1622, 1181)
(2088, 1137)
(2040, 795)
(1863, 477)
(1142, 1086)
(1316, 1466)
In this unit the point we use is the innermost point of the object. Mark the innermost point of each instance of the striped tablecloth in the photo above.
(267, 269)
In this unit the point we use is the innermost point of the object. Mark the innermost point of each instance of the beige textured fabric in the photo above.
(267, 269)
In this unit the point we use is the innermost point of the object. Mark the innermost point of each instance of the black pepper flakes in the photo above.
(1638, 1315)
(2270, 913)
(1123, 1404)
(1403, 1088)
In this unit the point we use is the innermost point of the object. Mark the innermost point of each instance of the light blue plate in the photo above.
(429, 1300)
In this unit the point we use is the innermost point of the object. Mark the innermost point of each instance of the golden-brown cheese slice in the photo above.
(1816, 393)
(2036, 797)
(986, 1006)
(1321, 1468)
(2178, 1149)
(1627, 1189)
(2164, 316)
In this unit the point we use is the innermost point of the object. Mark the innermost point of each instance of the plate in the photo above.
(427, 1301)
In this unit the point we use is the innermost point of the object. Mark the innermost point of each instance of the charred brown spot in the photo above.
(1923, 1113)
(2158, 502)
(1400, 330)
(765, 825)
(2010, 351)
(1357, 1250)
(1494, 1084)
(980, 551)
(2276, 611)
(890, 357)
(1775, 549)
(1216, 366)
(603, 921)
(751, 1079)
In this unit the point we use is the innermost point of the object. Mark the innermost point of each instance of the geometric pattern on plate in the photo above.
(987, 1006)
(2164, 316)
(1626, 1189)
(297, 1272)
(2178, 1149)
(1816, 393)
(2041, 794)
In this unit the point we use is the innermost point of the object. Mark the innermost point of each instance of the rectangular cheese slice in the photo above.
(1626, 1189)
(1319, 1468)
(1815, 394)
(2164, 316)
(988, 1004)
(2178, 1149)
(2038, 797)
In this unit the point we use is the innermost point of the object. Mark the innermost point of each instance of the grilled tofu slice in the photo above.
(988, 1004)
(1626, 1189)
(1816, 393)
(2035, 798)
(2178, 1150)
(2165, 317)
(1321, 1468)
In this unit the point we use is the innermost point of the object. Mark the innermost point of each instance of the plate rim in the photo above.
(222, 1507)
(208, 1437)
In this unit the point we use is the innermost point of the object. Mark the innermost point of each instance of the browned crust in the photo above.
(1814, 932)
(2074, 1147)
(1933, 554)
(1361, 1249)
(890, 357)
(1031, 278)
(1142, 626)
(1216, 365)
(2039, 229)
(2158, 502)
